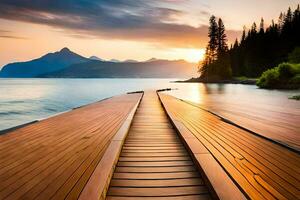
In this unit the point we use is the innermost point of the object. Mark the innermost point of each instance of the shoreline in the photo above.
(230, 81)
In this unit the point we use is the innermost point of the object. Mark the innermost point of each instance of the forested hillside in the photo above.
(260, 48)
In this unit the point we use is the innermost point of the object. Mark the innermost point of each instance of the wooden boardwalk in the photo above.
(168, 149)
(261, 168)
(54, 158)
(277, 123)
(154, 162)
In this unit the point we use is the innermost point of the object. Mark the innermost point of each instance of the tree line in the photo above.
(259, 49)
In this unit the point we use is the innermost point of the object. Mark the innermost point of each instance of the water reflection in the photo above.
(23, 100)
(268, 112)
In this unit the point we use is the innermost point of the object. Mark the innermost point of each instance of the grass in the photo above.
(284, 76)
(296, 97)
(241, 78)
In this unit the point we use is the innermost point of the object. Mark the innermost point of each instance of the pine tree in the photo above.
(222, 38)
(257, 50)
(289, 16)
(211, 49)
(281, 21)
(236, 44)
(262, 26)
(253, 29)
(244, 34)
(216, 50)
(296, 14)
(213, 39)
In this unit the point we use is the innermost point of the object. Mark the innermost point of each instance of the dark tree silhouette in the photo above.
(222, 38)
(213, 40)
(257, 50)
(244, 34)
(211, 49)
(262, 26)
(216, 64)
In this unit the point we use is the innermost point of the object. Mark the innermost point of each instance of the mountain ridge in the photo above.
(45, 64)
(65, 63)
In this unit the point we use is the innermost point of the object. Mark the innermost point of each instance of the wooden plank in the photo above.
(153, 183)
(152, 154)
(153, 162)
(278, 124)
(275, 181)
(262, 169)
(96, 187)
(157, 192)
(155, 169)
(189, 197)
(156, 176)
(217, 177)
(58, 155)
(153, 159)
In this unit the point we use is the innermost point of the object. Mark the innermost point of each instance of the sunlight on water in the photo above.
(24, 100)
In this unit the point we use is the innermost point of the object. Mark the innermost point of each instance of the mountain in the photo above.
(96, 58)
(46, 64)
(67, 64)
(151, 60)
(130, 61)
(114, 60)
(151, 69)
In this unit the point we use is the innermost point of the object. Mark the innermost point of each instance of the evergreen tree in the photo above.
(253, 29)
(262, 26)
(296, 14)
(222, 38)
(257, 51)
(236, 44)
(216, 64)
(244, 34)
(213, 40)
(211, 49)
(267, 48)
(281, 21)
(289, 16)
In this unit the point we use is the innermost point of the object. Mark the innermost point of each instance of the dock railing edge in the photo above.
(222, 186)
(98, 183)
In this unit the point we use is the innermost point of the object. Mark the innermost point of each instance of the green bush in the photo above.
(285, 71)
(294, 56)
(295, 79)
(286, 76)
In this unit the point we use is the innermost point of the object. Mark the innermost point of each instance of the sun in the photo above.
(194, 55)
(188, 54)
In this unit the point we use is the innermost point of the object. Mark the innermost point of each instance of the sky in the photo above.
(123, 29)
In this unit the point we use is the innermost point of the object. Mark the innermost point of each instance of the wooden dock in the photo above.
(54, 158)
(154, 162)
(143, 146)
(261, 168)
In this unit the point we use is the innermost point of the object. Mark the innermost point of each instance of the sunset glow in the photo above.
(123, 30)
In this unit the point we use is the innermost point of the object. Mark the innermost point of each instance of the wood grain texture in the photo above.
(54, 158)
(277, 123)
(153, 163)
(261, 168)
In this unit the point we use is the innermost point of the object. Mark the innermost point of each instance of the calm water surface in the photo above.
(25, 100)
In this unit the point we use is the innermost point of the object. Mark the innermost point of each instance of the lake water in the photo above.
(25, 100)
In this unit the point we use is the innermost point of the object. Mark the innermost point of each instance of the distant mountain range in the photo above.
(46, 64)
(67, 64)
(96, 58)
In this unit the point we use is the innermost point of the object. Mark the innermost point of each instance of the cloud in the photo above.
(12, 37)
(140, 20)
(8, 34)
